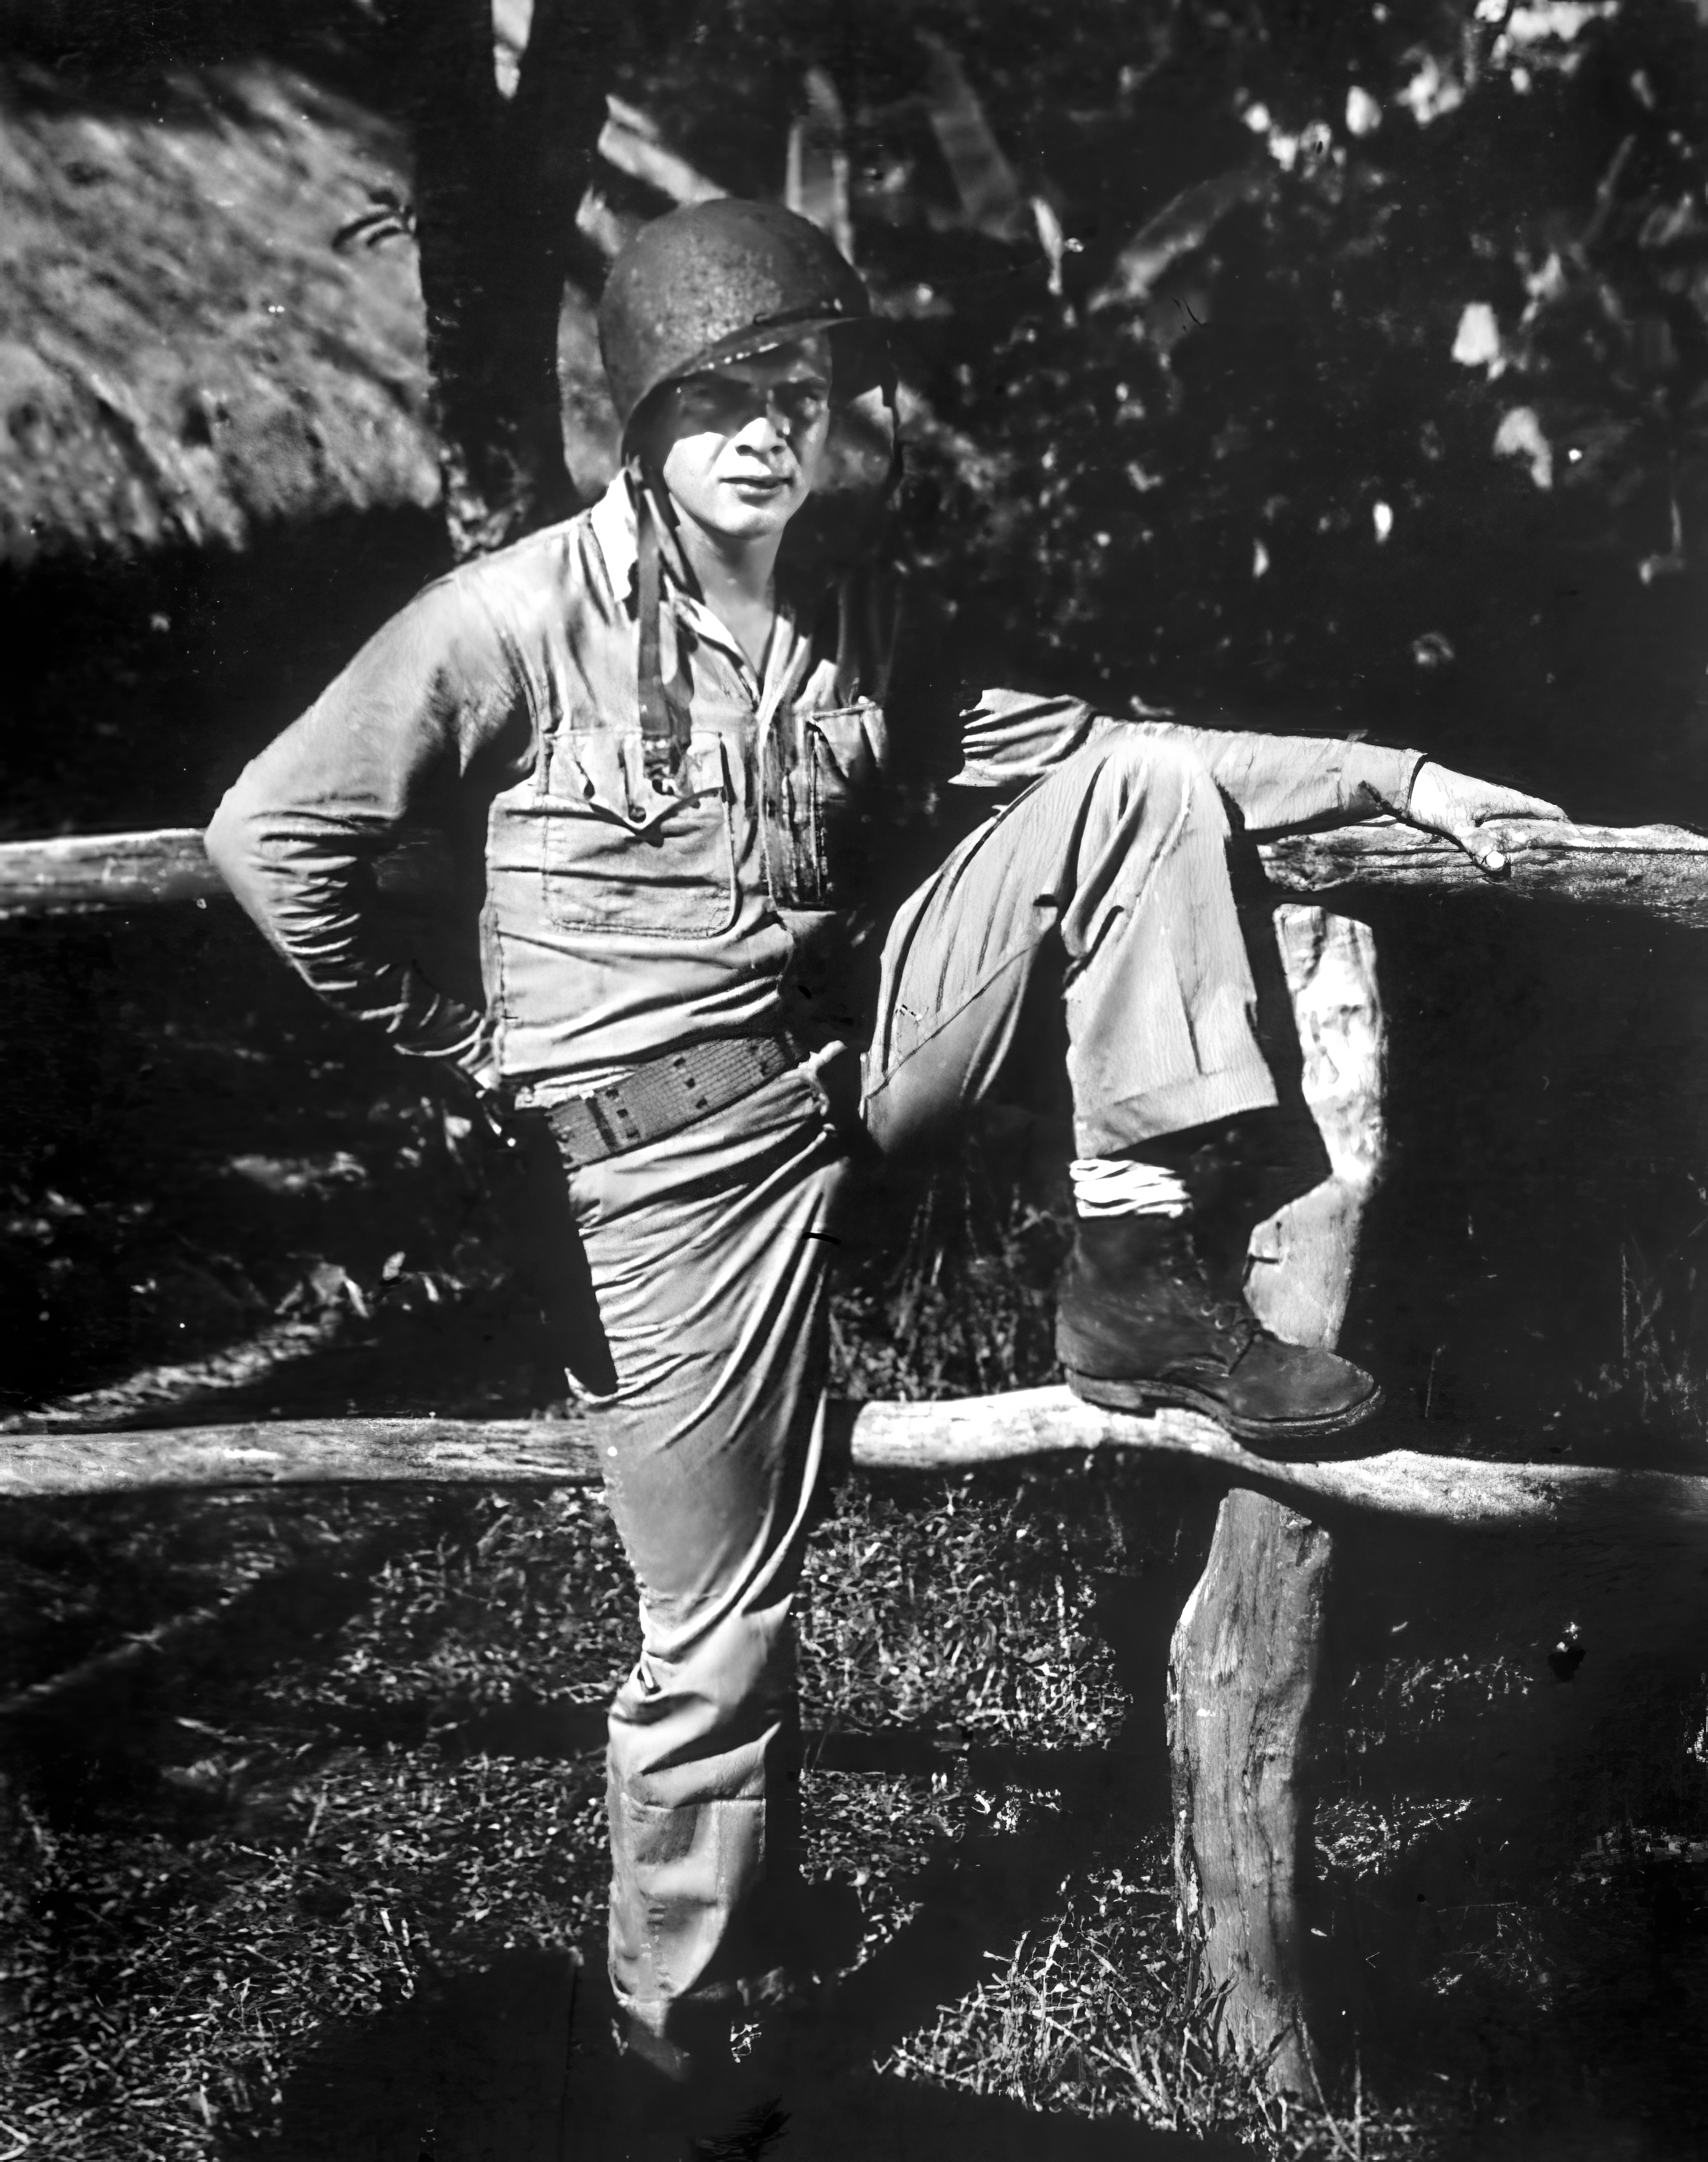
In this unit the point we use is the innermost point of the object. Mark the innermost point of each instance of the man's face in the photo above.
(738, 446)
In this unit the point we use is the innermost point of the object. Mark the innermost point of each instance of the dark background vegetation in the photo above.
(1217, 394)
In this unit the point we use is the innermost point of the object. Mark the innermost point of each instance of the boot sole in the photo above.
(1144, 1396)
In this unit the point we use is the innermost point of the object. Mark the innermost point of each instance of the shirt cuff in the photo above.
(454, 1032)
(1383, 776)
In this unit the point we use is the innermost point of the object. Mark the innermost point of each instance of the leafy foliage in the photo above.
(1307, 357)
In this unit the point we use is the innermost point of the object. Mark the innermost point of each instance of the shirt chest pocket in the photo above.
(821, 775)
(617, 854)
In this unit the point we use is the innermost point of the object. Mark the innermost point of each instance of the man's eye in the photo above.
(705, 402)
(728, 407)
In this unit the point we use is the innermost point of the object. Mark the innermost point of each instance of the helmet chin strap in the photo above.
(663, 729)
(664, 726)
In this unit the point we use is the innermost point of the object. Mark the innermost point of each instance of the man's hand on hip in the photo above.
(1462, 808)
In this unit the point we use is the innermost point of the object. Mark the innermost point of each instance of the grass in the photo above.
(268, 1850)
(1098, 2014)
(255, 1858)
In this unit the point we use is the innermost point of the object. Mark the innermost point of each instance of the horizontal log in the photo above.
(81, 873)
(1028, 1426)
(298, 1453)
(1661, 870)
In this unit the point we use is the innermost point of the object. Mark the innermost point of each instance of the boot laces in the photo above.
(1230, 1318)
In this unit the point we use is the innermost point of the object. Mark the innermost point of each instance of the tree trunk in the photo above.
(497, 184)
(1243, 1675)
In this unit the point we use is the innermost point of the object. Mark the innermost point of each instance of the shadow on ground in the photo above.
(514, 2064)
(871, 2116)
(471, 2070)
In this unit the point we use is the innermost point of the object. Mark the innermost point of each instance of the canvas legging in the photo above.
(707, 1253)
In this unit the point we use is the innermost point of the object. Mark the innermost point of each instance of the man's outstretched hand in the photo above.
(1461, 807)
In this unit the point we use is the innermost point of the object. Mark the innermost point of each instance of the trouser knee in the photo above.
(1134, 768)
(721, 1694)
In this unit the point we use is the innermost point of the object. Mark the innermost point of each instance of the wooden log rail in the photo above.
(1036, 1427)
(1244, 1686)
(1661, 870)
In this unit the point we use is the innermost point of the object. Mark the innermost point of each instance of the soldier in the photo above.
(678, 755)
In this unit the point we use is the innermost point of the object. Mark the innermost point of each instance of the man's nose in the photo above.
(766, 429)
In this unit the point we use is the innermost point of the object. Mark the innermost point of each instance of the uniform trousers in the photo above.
(708, 1252)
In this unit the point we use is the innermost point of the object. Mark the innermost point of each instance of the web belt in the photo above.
(653, 1101)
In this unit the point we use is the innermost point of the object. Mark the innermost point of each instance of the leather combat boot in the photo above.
(670, 2104)
(1139, 1322)
(731, 2070)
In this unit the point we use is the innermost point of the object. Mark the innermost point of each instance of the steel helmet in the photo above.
(718, 281)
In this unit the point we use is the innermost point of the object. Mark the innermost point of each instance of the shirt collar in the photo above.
(613, 524)
(614, 519)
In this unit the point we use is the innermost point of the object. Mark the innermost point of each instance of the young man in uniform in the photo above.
(670, 750)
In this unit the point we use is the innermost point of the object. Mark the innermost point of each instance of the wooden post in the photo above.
(1244, 1667)
(1242, 1694)
(1302, 1257)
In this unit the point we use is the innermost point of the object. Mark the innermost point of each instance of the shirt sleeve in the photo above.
(1009, 738)
(297, 836)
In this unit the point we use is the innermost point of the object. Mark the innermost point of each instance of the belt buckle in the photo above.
(575, 1130)
(611, 1119)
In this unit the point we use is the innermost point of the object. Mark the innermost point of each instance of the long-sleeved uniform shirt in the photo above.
(617, 921)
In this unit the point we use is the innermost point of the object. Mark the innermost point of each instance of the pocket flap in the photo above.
(851, 737)
(606, 768)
